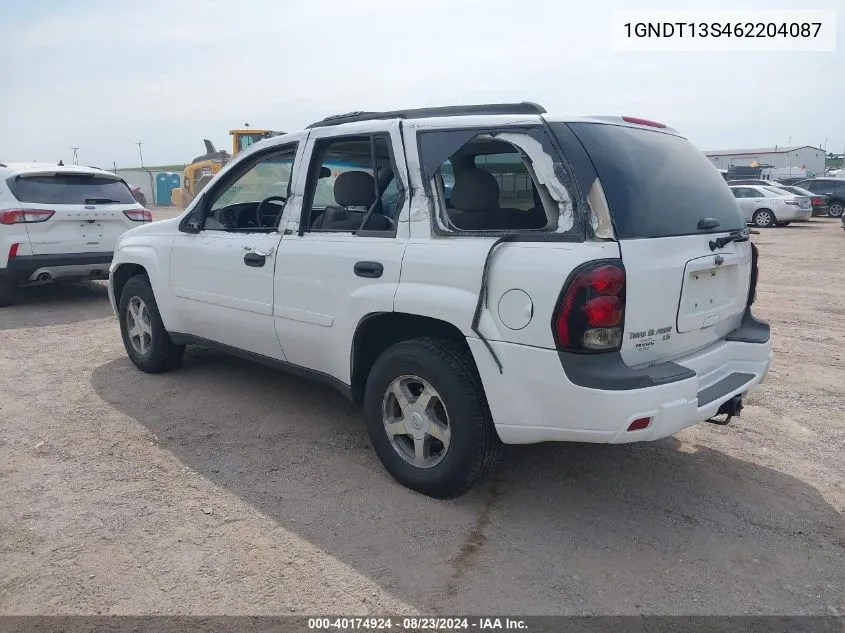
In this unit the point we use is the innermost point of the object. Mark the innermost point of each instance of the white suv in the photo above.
(584, 279)
(60, 222)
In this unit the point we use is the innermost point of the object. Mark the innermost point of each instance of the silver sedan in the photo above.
(765, 206)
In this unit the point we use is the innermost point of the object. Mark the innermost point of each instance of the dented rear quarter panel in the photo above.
(442, 274)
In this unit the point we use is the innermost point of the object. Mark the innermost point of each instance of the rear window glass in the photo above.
(775, 190)
(656, 184)
(70, 189)
(799, 191)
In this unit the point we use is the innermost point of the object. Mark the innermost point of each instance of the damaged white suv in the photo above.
(577, 279)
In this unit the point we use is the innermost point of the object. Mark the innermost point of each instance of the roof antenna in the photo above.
(61, 164)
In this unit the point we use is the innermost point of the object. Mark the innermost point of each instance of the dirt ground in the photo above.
(229, 488)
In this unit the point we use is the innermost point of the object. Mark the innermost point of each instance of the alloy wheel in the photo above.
(139, 328)
(416, 421)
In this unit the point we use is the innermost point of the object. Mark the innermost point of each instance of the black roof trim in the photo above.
(525, 107)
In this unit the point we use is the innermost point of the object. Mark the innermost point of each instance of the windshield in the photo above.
(71, 189)
(656, 184)
(246, 140)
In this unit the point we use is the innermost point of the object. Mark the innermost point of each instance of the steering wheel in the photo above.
(262, 203)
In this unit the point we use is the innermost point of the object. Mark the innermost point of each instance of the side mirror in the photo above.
(192, 223)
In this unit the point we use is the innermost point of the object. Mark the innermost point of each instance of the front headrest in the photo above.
(474, 190)
(354, 189)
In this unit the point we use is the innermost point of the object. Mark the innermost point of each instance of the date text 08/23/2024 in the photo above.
(420, 623)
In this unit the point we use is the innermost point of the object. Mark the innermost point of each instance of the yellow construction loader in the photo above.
(202, 168)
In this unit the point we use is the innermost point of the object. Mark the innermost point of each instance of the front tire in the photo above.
(763, 219)
(428, 417)
(147, 343)
(782, 224)
(836, 208)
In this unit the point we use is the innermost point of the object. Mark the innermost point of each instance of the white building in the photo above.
(797, 159)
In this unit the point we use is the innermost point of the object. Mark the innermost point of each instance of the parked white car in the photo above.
(558, 291)
(60, 222)
(765, 206)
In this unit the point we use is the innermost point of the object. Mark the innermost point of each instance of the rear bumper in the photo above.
(59, 266)
(821, 210)
(541, 397)
(793, 214)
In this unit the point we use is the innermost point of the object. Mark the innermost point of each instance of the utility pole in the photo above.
(139, 143)
(75, 155)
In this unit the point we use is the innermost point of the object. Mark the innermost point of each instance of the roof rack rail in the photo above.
(525, 107)
(3, 165)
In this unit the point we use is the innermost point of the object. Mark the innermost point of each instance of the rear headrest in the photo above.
(354, 189)
(475, 190)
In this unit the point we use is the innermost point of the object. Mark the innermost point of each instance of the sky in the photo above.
(102, 75)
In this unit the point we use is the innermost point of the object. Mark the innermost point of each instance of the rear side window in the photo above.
(70, 189)
(656, 184)
(516, 190)
(498, 180)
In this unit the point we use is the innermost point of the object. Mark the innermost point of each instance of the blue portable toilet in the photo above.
(175, 181)
(163, 187)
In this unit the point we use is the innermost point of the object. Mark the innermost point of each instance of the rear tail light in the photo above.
(21, 216)
(755, 275)
(817, 202)
(139, 215)
(794, 203)
(590, 315)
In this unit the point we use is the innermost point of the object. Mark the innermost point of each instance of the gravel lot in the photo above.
(227, 487)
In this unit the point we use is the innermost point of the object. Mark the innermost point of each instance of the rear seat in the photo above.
(475, 198)
(352, 189)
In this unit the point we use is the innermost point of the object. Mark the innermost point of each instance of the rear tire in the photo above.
(443, 373)
(8, 292)
(763, 219)
(147, 343)
(836, 208)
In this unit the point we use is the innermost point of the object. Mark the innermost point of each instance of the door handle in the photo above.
(372, 270)
(267, 253)
(256, 260)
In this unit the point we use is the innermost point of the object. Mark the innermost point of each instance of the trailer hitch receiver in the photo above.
(730, 408)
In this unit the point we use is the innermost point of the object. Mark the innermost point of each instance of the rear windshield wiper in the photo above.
(101, 201)
(736, 236)
(96, 200)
